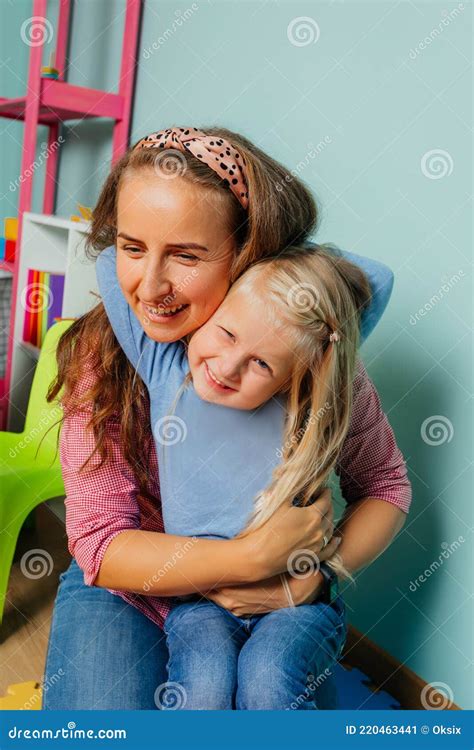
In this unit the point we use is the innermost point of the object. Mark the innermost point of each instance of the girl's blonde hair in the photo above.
(281, 212)
(311, 294)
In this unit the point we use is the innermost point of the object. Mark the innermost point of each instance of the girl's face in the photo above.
(174, 253)
(239, 358)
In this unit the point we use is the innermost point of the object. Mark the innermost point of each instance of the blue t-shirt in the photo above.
(212, 460)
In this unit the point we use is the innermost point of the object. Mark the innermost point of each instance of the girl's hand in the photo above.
(290, 533)
(266, 596)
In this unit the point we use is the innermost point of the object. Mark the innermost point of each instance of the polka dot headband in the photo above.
(217, 153)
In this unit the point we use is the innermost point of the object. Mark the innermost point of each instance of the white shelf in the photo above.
(49, 243)
(56, 221)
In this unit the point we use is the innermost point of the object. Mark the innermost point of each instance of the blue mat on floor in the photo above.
(355, 694)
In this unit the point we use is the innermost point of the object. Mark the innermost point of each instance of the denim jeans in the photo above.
(105, 654)
(281, 660)
(102, 653)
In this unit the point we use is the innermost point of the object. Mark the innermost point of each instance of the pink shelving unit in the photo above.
(52, 102)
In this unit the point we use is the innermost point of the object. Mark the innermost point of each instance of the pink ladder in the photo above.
(52, 102)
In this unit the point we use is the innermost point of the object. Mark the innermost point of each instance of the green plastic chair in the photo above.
(28, 478)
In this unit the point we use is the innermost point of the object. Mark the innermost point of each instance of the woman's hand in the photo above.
(266, 596)
(292, 530)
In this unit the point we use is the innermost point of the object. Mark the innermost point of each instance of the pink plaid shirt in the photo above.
(105, 501)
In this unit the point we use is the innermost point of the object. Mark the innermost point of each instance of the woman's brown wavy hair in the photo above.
(282, 212)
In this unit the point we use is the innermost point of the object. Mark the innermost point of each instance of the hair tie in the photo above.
(219, 154)
(334, 337)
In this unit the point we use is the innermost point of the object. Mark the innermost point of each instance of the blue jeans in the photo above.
(105, 654)
(102, 653)
(276, 661)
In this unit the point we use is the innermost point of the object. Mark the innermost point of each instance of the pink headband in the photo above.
(217, 153)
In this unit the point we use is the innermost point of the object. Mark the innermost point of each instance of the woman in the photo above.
(173, 227)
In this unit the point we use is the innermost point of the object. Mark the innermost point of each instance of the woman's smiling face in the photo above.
(174, 253)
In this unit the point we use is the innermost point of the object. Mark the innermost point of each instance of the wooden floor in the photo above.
(27, 617)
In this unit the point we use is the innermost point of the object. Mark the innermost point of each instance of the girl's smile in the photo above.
(241, 357)
(214, 381)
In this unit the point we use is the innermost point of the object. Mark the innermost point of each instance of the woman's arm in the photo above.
(104, 519)
(166, 565)
(371, 469)
(117, 538)
(367, 529)
(370, 464)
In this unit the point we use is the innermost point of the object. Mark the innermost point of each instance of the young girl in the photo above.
(288, 330)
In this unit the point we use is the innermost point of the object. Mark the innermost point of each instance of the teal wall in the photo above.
(377, 99)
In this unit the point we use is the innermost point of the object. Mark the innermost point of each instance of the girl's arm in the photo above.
(380, 278)
(149, 357)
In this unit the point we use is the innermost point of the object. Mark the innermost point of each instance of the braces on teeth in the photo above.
(161, 311)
